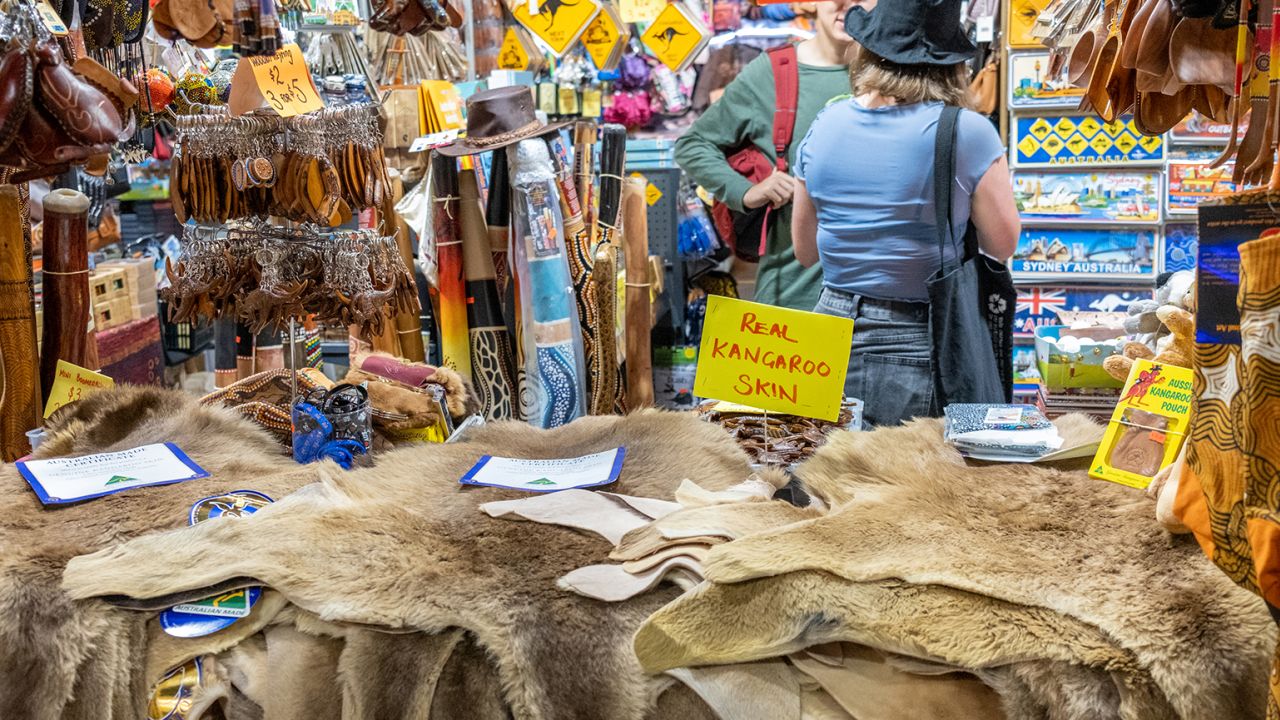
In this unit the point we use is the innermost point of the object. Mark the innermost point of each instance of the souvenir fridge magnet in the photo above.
(558, 23)
(1191, 183)
(676, 36)
(606, 37)
(1022, 21)
(1110, 253)
(1179, 247)
(1039, 306)
(518, 51)
(1032, 85)
(1148, 425)
(1098, 197)
(1050, 141)
(1196, 129)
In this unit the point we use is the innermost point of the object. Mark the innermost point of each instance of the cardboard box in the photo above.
(1075, 364)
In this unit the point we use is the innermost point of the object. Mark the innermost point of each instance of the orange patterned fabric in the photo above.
(1229, 494)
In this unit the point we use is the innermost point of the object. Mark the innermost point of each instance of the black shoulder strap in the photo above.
(944, 172)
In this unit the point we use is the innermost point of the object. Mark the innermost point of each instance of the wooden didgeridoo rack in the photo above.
(66, 286)
(19, 383)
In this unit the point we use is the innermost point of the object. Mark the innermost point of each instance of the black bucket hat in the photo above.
(912, 32)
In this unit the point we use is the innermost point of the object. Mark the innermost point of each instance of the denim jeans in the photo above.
(890, 360)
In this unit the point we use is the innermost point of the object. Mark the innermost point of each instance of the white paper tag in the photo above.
(547, 475)
(64, 480)
(1003, 415)
(426, 142)
(986, 29)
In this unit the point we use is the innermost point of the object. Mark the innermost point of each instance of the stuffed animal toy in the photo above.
(1174, 348)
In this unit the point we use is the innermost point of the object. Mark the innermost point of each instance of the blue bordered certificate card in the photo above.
(66, 480)
(551, 475)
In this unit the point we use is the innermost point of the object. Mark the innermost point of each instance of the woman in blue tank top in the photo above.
(864, 203)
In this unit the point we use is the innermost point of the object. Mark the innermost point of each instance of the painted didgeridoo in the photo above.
(492, 360)
(613, 149)
(581, 254)
(552, 392)
(635, 241)
(455, 344)
(19, 381)
(66, 285)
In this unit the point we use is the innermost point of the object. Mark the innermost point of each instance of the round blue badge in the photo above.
(216, 612)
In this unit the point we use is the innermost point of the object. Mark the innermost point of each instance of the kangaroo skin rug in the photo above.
(64, 660)
(402, 546)
(1061, 592)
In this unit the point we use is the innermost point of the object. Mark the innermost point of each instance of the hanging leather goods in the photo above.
(66, 285)
(19, 381)
(635, 240)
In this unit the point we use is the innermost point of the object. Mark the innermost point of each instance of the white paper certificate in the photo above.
(67, 480)
(547, 475)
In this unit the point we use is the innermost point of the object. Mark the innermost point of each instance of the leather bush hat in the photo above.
(497, 118)
(912, 32)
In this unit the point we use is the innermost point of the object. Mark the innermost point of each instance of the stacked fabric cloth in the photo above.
(1000, 432)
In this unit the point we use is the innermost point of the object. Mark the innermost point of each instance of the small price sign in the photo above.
(71, 383)
(285, 82)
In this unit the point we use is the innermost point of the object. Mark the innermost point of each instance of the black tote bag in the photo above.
(971, 300)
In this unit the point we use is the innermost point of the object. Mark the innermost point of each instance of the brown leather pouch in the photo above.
(122, 92)
(86, 114)
(16, 87)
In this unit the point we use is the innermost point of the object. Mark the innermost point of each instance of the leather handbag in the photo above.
(971, 300)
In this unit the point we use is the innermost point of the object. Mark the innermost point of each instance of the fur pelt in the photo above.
(403, 546)
(61, 659)
(1075, 603)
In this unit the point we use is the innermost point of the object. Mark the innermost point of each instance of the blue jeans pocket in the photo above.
(896, 389)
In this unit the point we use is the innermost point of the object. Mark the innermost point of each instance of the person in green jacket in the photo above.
(745, 114)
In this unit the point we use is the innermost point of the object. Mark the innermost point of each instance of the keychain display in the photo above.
(334, 424)
(331, 165)
(265, 275)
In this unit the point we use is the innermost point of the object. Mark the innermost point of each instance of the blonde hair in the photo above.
(910, 83)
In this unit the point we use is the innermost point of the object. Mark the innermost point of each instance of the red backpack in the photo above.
(746, 232)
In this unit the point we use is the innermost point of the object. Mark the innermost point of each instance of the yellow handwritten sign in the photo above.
(72, 382)
(285, 82)
(773, 358)
(557, 23)
(676, 36)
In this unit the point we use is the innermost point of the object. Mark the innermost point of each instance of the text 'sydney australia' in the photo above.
(773, 358)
